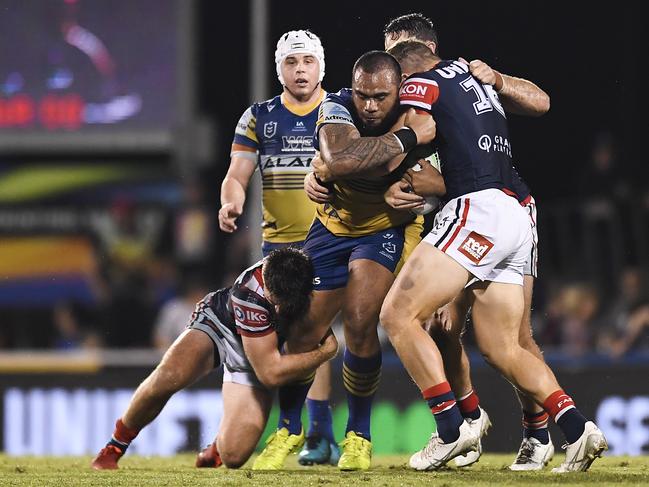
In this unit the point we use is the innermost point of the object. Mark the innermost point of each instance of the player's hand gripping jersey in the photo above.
(282, 137)
(358, 207)
(472, 138)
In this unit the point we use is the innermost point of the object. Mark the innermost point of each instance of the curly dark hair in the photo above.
(415, 25)
(288, 275)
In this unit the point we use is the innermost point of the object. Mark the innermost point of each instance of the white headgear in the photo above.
(298, 42)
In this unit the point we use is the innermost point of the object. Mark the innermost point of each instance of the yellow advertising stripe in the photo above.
(33, 182)
(49, 363)
(45, 256)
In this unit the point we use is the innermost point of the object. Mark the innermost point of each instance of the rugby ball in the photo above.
(431, 203)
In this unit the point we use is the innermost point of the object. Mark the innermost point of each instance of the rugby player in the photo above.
(277, 137)
(521, 97)
(356, 242)
(243, 328)
(480, 238)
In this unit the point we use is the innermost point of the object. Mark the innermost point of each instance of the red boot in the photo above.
(209, 457)
(107, 458)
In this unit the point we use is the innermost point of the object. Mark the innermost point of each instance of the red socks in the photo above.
(123, 434)
(557, 404)
(469, 405)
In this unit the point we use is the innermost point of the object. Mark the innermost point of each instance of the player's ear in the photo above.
(432, 46)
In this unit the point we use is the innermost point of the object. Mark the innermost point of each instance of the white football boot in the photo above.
(582, 453)
(437, 453)
(532, 455)
(480, 427)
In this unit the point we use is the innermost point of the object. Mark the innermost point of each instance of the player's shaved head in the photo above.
(376, 61)
(413, 56)
(376, 77)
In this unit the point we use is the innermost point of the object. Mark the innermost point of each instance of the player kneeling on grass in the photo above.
(243, 328)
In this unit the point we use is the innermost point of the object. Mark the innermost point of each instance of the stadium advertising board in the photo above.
(37, 408)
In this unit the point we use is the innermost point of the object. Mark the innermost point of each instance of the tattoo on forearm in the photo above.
(363, 154)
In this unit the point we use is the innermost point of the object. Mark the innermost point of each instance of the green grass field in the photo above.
(387, 471)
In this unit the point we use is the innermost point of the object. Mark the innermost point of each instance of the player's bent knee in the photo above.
(361, 330)
(526, 341)
(361, 321)
(238, 438)
(389, 319)
(233, 458)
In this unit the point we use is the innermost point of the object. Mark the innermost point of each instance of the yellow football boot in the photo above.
(278, 446)
(356, 453)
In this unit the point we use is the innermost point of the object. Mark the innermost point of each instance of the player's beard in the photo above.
(384, 126)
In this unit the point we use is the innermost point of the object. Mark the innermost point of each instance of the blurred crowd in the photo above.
(153, 265)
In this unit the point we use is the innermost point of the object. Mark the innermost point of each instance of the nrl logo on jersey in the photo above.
(270, 128)
(297, 143)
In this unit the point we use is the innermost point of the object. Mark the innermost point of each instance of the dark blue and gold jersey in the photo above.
(472, 135)
(358, 207)
(281, 135)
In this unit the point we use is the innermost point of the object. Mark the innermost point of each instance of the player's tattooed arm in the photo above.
(346, 153)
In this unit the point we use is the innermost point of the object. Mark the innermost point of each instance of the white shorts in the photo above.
(244, 378)
(486, 232)
(532, 263)
(227, 344)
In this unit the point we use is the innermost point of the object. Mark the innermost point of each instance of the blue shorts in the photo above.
(331, 255)
(266, 247)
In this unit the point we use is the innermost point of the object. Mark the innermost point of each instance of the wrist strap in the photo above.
(407, 138)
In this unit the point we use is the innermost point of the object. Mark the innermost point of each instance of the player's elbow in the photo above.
(269, 378)
(543, 105)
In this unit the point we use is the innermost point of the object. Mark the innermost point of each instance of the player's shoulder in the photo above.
(444, 69)
(336, 108)
(429, 75)
(266, 106)
(419, 90)
(342, 97)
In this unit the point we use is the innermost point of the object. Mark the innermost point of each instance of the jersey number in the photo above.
(487, 97)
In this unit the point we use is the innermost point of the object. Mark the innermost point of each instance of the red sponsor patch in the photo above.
(419, 93)
(475, 247)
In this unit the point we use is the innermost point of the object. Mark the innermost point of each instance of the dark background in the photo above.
(589, 61)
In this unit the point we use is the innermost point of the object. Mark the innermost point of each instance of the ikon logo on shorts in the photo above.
(475, 247)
